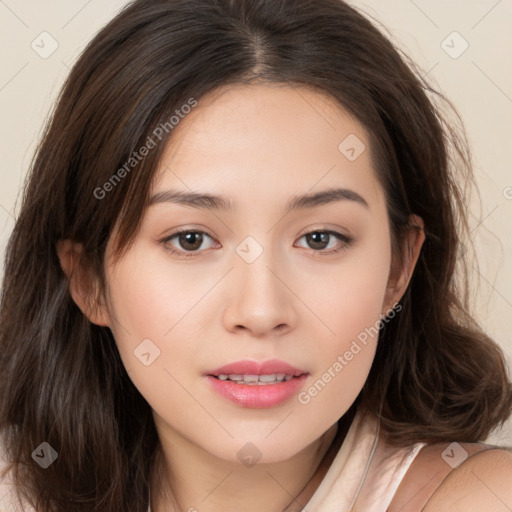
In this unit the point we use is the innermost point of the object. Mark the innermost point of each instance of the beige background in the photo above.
(478, 81)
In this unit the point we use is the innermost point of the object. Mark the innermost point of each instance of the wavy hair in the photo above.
(436, 375)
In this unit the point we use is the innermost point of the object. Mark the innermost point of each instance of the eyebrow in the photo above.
(214, 202)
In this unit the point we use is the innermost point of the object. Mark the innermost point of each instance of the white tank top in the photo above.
(366, 472)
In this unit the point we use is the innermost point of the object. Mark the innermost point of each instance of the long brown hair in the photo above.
(436, 375)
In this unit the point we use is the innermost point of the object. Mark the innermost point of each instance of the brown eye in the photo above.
(319, 241)
(191, 240)
(187, 241)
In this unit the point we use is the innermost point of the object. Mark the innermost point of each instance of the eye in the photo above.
(321, 239)
(188, 240)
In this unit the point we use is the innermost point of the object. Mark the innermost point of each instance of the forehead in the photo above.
(275, 139)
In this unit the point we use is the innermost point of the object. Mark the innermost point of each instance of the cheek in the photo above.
(349, 298)
(350, 306)
(150, 296)
(148, 309)
(149, 318)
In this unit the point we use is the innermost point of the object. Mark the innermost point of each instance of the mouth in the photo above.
(256, 384)
(254, 372)
(256, 380)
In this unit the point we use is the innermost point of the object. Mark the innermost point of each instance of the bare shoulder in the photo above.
(483, 482)
(457, 476)
(8, 496)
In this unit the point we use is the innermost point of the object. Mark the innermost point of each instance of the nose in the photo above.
(260, 300)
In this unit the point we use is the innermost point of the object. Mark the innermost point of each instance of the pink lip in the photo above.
(253, 395)
(249, 367)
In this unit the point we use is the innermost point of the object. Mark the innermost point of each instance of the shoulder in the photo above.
(482, 482)
(6, 486)
(8, 496)
(456, 476)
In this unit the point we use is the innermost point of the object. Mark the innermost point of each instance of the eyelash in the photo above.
(346, 243)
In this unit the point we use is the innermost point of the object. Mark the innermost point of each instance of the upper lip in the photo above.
(251, 367)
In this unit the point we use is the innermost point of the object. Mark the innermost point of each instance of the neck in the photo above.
(204, 483)
(298, 504)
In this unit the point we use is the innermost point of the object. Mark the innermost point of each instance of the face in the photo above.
(257, 281)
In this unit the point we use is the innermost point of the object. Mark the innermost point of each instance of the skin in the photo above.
(481, 482)
(257, 145)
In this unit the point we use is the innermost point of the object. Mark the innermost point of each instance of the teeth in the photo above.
(256, 379)
(269, 378)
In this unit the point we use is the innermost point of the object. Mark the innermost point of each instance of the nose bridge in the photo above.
(256, 268)
(260, 300)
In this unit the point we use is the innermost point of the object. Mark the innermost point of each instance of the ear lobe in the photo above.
(400, 277)
(82, 284)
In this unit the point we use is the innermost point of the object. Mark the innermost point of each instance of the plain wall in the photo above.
(478, 82)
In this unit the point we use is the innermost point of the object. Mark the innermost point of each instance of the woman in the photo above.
(231, 284)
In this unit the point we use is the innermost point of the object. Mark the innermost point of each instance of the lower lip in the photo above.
(257, 396)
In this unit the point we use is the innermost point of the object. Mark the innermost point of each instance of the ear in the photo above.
(399, 278)
(83, 285)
